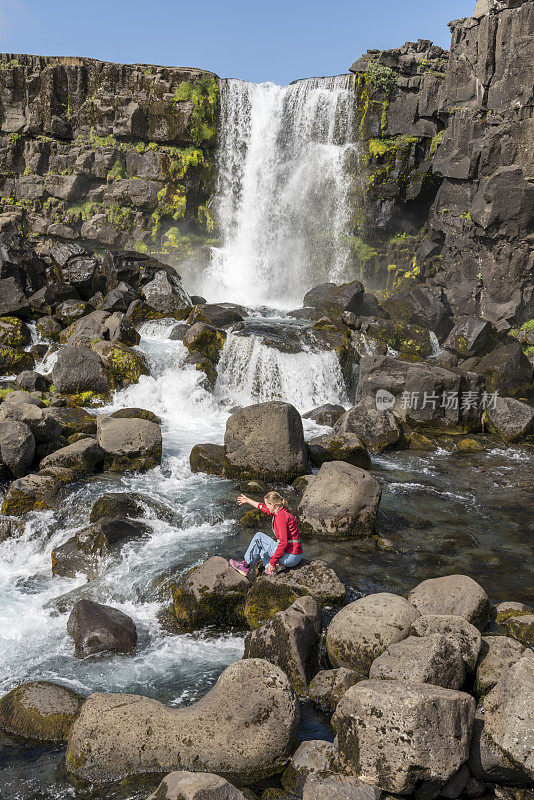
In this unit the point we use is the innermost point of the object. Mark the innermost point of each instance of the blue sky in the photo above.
(275, 40)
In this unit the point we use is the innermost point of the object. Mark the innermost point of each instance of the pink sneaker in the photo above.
(240, 566)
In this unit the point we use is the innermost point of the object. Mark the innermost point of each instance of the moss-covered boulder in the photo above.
(339, 447)
(332, 299)
(265, 599)
(332, 335)
(252, 519)
(211, 594)
(30, 493)
(408, 340)
(13, 361)
(516, 620)
(469, 446)
(203, 364)
(49, 328)
(205, 339)
(125, 365)
(116, 504)
(14, 332)
(418, 441)
(74, 420)
(209, 458)
(39, 711)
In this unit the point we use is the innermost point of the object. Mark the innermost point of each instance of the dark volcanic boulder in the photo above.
(205, 339)
(83, 551)
(511, 419)
(266, 441)
(129, 443)
(69, 311)
(116, 504)
(471, 337)
(244, 729)
(290, 640)
(165, 294)
(339, 447)
(40, 421)
(13, 301)
(340, 503)
(397, 733)
(31, 381)
(119, 298)
(327, 414)
(17, 447)
(209, 458)
(39, 711)
(53, 294)
(74, 420)
(124, 364)
(379, 430)
(425, 306)
(210, 594)
(333, 299)
(220, 315)
(408, 340)
(506, 370)
(98, 629)
(79, 369)
(49, 328)
(364, 629)
(87, 329)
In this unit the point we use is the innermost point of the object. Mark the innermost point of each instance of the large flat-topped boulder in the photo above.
(340, 503)
(266, 441)
(129, 443)
(244, 729)
(396, 734)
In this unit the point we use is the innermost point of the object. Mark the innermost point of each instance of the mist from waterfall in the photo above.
(288, 173)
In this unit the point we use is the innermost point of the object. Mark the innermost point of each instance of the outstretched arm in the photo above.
(244, 499)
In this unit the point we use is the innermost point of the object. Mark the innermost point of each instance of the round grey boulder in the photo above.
(340, 503)
(244, 729)
(129, 443)
(379, 430)
(361, 631)
(457, 595)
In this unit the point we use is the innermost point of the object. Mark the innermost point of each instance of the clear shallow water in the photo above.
(443, 513)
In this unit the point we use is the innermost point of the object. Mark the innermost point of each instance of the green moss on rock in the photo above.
(39, 711)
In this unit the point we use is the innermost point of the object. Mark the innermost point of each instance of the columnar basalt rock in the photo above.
(121, 155)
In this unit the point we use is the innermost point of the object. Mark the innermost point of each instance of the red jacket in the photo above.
(286, 531)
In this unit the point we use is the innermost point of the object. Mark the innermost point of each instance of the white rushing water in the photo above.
(172, 668)
(288, 163)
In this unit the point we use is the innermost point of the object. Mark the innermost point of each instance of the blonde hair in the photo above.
(276, 499)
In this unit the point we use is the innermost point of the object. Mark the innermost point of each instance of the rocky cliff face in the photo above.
(449, 164)
(114, 155)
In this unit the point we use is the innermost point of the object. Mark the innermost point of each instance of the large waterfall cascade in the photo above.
(287, 186)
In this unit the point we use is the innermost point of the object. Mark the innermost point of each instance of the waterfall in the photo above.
(251, 372)
(288, 174)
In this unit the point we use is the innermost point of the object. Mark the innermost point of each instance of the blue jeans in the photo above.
(262, 546)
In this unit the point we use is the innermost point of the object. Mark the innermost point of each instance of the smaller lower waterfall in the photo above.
(251, 372)
(288, 172)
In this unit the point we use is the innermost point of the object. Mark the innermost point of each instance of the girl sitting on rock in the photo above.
(286, 552)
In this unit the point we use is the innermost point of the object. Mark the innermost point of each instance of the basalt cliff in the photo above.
(121, 157)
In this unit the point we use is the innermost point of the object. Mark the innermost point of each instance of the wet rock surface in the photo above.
(98, 629)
